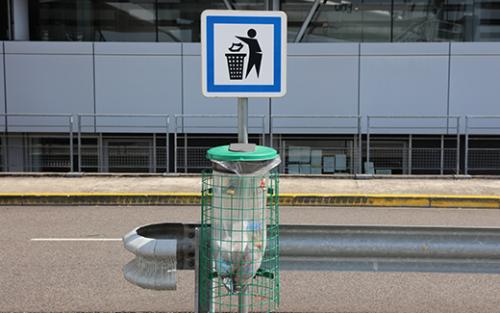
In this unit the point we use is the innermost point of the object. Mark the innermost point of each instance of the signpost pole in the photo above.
(243, 120)
(243, 138)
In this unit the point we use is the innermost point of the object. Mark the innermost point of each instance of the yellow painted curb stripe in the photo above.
(173, 198)
(196, 194)
(389, 195)
(99, 194)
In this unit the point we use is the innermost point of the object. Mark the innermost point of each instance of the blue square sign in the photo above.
(243, 53)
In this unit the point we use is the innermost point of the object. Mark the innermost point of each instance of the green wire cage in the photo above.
(239, 242)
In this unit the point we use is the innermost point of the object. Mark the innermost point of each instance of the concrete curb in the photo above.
(320, 176)
(357, 200)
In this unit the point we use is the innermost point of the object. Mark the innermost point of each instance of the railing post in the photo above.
(458, 147)
(71, 121)
(466, 156)
(263, 118)
(282, 144)
(5, 162)
(351, 155)
(271, 143)
(185, 152)
(410, 153)
(100, 145)
(441, 161)
(154, 152)
(360, 146)
(175, 143)
(79, 143)
(167, 145)
(367, 141)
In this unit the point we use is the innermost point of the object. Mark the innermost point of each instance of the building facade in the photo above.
(382, 86)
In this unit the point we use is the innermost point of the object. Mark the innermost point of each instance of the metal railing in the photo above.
(482, 151)
(320, 153)
(101, 147)
(148, 143)
(23, 152)
(406, 158)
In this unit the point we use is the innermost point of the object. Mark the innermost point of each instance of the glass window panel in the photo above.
(486, 20)
(437, 20)
(125, 20)
(375, 20)
(340, 20)
(335, 20)
(4, 19)
(61, 20)
(179, 20)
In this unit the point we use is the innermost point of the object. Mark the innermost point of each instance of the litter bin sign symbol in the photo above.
(243, 53)
(236, 60)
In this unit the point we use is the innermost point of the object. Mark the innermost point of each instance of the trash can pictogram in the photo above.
(235, 63)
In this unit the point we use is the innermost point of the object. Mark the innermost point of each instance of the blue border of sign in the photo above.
(211, 21)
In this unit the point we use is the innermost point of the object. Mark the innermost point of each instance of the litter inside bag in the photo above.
(238, 259)
(239, 220)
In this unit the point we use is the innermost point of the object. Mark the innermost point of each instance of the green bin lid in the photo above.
(222, 153)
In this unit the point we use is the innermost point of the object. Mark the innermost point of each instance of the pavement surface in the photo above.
(291, 185)
(85, 276)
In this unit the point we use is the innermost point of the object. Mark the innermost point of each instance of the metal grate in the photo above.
(123, 154)
(484, 159)
(239, 243)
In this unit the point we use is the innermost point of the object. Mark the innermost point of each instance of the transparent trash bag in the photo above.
(239, 220)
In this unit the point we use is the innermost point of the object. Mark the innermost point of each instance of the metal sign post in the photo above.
(243, 120)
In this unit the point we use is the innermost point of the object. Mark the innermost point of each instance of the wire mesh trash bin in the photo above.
(235, 63)
(239, 235)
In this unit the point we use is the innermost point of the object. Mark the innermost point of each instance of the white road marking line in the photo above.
(76, 239)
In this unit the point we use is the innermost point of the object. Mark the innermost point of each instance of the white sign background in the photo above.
(224, 37)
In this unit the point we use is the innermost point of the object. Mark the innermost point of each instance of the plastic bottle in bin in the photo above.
(239, 232)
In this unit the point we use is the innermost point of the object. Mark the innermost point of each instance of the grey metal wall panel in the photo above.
(397, 85)
(319, 85)
(474, 78)
(475, 48)
(47, 83)
(325, 49)
(47, 47)
(407, 48)
(137, 48)
(196, 103)
(146, 83)
(191, 48)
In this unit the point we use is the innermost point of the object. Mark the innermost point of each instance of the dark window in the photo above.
(125, 20)
(61, 20)
(332, 20)
(179, 20)
(4, 20)
(395, 20)
(339, 20)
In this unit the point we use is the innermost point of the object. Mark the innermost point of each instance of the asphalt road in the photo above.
(86, 276)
